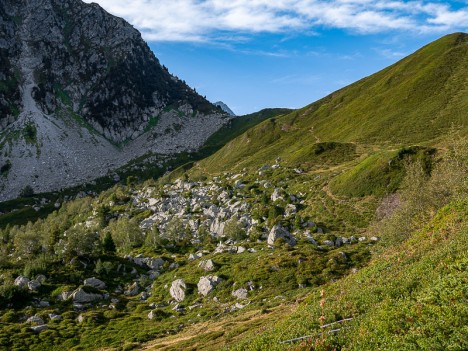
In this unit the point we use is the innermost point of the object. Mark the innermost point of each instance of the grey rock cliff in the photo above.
(81, 94)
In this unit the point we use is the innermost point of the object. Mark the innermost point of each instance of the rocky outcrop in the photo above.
(75, 82)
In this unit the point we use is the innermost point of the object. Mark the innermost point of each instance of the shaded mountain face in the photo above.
(92, 62)
(75, 82)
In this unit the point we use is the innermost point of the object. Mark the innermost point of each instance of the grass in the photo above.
(380, 173)
(339, 156)
(415, 101)
(410, 297)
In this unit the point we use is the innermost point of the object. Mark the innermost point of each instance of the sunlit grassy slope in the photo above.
(412, 297)
(414, 101)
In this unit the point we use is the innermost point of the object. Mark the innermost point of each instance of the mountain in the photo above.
(81, 94)
(225, 108)
(280, 240)
(415, 101)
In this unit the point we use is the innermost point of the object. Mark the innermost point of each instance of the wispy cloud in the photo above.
(294, 79)
(390, 54)
(213, 20)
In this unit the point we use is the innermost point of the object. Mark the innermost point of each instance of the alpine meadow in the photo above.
(138, 215)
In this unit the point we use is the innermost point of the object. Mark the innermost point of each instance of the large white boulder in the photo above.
(207, 284)
(177, 290)
(278, 232)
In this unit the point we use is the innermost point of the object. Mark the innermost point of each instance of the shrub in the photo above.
(27, 191)
(234, 230)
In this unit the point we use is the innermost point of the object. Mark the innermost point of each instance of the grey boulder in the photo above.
(177, 290)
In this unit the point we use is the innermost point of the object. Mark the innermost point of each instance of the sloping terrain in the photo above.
(280, 240)
(415, 101)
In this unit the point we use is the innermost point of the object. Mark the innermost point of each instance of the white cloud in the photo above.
(209, 20)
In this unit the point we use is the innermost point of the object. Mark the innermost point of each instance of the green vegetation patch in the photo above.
(380, 173)
(30, 133)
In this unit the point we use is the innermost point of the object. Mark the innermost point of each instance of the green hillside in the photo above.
(415, 101)
(340, 226)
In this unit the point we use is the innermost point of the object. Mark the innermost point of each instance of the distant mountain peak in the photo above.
(225, 108)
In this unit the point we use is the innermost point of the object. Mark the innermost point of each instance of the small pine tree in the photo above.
(108, 243)
(27, 191)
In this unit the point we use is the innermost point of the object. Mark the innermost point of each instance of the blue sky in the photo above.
(253, 54)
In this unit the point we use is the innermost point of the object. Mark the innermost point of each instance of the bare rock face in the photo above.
(177, 290)
(76, 81)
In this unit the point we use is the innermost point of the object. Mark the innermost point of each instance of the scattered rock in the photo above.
(132, 290)
(35, 320)
(21, 281)
(240, 249)
(207, 265)
(278, 232)
(177, 290)
(55, 317)
(193, 257)
(155, 263)
(33, 285)
(240, 293)
(338, 242)
(207, 284)
(277, 195)
(290, 210)
(178, 308)
(311, 240)
(39, 328)
(63, 296)
(95, 283)
(195, 305)
(82, 296)
(144, 296)
(41, 278)
(173, 265)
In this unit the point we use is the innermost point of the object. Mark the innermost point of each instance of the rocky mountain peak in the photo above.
(75, 81)
(225, 108)
(92, 63)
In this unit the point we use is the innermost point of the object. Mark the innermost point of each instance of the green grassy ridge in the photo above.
(239, 125)
(412, 297)
(414, 101)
